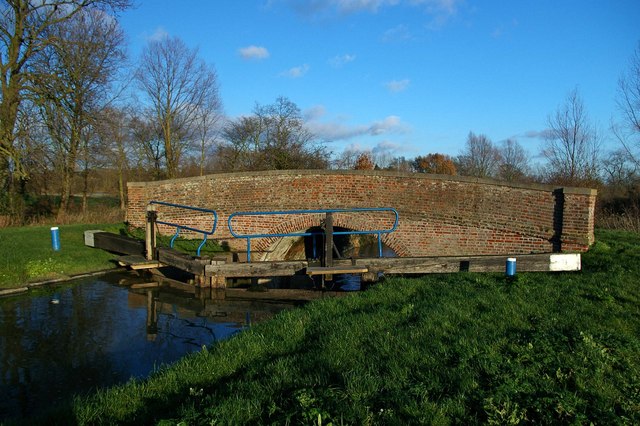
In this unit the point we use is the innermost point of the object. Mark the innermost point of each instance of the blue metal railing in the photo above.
(180, 227)
(377, 232)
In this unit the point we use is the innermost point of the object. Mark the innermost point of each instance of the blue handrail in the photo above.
(179, 227)
(377, 232)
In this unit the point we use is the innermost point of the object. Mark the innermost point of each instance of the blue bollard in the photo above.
(511, 267)
(55, 238)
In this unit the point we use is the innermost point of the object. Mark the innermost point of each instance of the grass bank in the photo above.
(442, 349)
(26, 254)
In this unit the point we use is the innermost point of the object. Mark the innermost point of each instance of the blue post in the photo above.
(511, 267)
(55, 238)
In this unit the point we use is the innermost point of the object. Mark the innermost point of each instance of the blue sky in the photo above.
(407, 77)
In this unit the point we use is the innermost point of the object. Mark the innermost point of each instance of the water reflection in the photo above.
(100, 334)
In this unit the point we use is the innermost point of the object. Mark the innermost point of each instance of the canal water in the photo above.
(70, 339)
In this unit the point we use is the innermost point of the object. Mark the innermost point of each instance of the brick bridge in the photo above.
(439, 215)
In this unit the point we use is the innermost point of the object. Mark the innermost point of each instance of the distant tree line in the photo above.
(77, 117)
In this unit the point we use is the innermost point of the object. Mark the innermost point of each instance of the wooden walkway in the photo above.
(213, 273)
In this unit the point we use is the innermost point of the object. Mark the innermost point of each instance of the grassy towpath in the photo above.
(465, 348)
(26, 255)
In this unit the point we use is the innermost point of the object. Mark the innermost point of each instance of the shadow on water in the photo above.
(345, 247)
(74, 338)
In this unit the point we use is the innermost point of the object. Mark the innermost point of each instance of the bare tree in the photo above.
(207, 128)
(113, 131)
(25, 31)
(628, 100)
(147, 144)
(72, 81)
(400, 164)
(572, 145)
(347, 159)
(515, 162)
(242, 148)
(274, 138)
(178, 84)
(288, 144)
(480, 157)
(619, 172)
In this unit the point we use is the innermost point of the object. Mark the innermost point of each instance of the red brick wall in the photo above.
(439, 215)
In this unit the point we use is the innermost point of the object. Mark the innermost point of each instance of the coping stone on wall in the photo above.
(384, 173)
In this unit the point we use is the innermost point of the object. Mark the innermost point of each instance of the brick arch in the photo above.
(439, 215)
(299, 226)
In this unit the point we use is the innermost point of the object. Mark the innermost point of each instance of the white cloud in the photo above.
(503, 29)
(337, 129)
(439, 10)
(341, 60)
(537, 134)
(391, 123)
(396, 34)
(449, 7)
(158, 35)
(396, 86)
(386, 148)
(314, 113)
(382, 152)
(253, 52)
(349, 6)
(296, 72)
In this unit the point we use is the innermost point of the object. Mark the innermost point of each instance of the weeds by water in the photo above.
(461, 348)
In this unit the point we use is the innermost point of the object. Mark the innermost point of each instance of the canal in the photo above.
(70, 339)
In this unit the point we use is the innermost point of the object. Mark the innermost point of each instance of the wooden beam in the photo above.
(328, 240)
(330, 270)
(181, 260)
(402, 265)
(491, 263)
(118, 243)
(145, 285)
(150, 232)
(136, 262)
(257, 269)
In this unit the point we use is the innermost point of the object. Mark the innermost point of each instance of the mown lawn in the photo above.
(464, 348)
(26, 254)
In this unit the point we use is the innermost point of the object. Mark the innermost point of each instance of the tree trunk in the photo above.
(65, 194)
(121, 193)
(85, 181)
(68, 170)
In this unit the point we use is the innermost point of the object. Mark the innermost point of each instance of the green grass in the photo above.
(189, 246)
(26, 254)
(464, 348)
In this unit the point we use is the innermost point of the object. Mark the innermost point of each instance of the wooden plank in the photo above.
(145, 285)
(423, 265)
(331, 270)
(137, 262)
(180, 260)
(257, 269)
(402, 265)
(118, 243)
